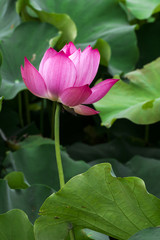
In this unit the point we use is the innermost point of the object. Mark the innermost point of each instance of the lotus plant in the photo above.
(65, 77)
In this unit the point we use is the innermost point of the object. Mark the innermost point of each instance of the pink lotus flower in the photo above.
(65, 77)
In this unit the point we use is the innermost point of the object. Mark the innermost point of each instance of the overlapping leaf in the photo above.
(143, 9)
(137, 100)
(118, 207)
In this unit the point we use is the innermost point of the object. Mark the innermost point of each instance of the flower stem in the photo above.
(57, 146)
(71, 235)
(53, 120)
(20, 109)
(41, 116)
(58, 154)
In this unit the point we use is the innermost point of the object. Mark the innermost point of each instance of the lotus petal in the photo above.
(88, 66)
(33, 80)
(84, 110)
(75, 95)
(100, 90)
(59, 73)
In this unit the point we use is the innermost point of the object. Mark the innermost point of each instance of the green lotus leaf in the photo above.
(25, 41)
(143, 9)
(137, 100)
(15, 225)
(118, 207)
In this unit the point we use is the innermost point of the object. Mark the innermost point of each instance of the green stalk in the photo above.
(20, 109)
(53, 120)
(41, 116)
(26, 98)
(71, 234)
(57, 146)
(58, 154)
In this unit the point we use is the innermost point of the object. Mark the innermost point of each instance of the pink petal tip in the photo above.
(84, 110)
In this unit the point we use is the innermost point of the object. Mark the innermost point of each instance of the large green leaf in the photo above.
(102, 20)
(28, 200)
(15, 226)
(118, 207)
(143, 9)
(8, 18)
(25, 41)
(147, 234)
(37, 160)
(137, 100)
